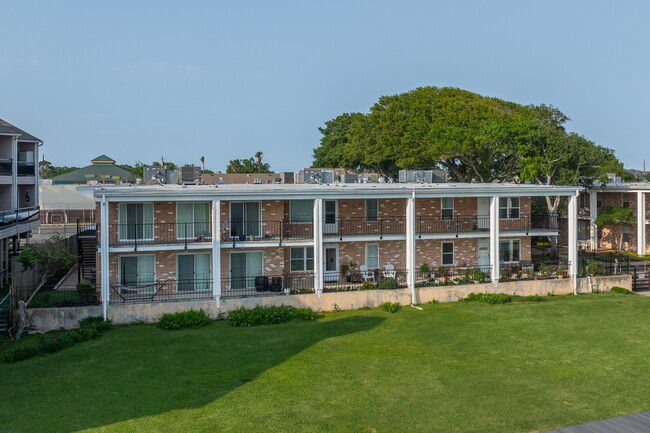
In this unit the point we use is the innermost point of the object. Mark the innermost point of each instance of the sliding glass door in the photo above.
(245, 219)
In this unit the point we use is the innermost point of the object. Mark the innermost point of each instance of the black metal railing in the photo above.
(343, 227)
(161, 290)
(136, 234)
(385, 278)
(19, 216)
(473, 223)
(6, 168)
(26, 168)
(267, 285)
(259, 231)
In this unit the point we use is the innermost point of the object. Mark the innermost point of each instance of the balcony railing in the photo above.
(161, 290)
(343, 227)
(6, 168)
(26, 168)
(19, 216)
(465, 224)
(136, 234)
(270, 231)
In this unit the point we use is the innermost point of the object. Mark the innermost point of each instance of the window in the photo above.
(244, 267)
(302, 211)
(626, 199)
(600, 232)
(193, 272)
(599, 200)
(372, 209)
(245, 218)
(509, 250)
(582, 200)
(372, 256)
(136, 221)
(136, 273)
(509, 208)
(626, 234)
(447, 208)
(302, 259)
(193, 220)
(447, 254)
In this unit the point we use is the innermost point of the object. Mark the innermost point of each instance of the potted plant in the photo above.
(345, 272)
(560, 271)
(424, 269)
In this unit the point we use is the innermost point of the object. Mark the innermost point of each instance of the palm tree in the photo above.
(203, 163)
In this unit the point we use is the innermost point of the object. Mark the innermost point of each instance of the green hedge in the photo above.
(184, 319)
(390, 307)
(500, 298)
(622, 291)
(89, 329)
(268, 315)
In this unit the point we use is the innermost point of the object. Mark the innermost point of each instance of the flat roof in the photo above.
(305, 191)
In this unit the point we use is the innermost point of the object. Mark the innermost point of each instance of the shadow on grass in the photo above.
(142, 371)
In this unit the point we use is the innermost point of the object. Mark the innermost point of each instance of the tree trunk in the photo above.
(21, 320)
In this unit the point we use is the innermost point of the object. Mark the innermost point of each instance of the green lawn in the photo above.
(457, 367)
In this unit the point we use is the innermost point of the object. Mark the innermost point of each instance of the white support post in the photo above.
(573, 235)
(104, 258)
(410, 245)
(36, 175)
(14, 171)
(640, 223)
(318, 246)
(494, 239)
(216, 251)
(593, 214)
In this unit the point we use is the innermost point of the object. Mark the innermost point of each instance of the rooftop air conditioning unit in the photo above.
(189, 174)
(422, 176)
(155, 174)
(288, 177)
(350, 178)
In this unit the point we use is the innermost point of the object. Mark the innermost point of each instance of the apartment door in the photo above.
(330, 212)
(483, 253)
(244, 267)
(483, 212)
(331, 267)
(245, 219)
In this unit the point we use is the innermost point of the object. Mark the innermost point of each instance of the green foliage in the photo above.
(424, 268)
(47, 170)
(615, 214)
(250, 165)
(622, 291)
(390, 307)
(387, 284)
(90, 328)
(85, 291)
(368, 286)
(268, 315)
(594, 268)
(47, 257)
(61, 298)
(183, 319)
(500, 298)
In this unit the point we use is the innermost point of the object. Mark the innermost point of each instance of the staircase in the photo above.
(87, 249)
(5, 313)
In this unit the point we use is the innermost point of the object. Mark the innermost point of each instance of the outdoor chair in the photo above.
(261, 284)
(389, 271)
(276, 284)
(366, 274)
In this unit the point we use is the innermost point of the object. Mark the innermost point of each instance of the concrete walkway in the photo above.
(635, 423)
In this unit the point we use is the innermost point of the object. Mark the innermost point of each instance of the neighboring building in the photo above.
(159, 242)
(18, 190)
(102, 170)
(62, 204)
(633, 236)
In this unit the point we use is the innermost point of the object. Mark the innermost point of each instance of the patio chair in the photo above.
(389, 271)
(261, 284)
(276, 284)
(366, 274)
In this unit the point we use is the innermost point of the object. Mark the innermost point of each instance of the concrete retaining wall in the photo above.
(47, 319)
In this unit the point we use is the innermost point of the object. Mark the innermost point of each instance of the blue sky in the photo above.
(138, 80)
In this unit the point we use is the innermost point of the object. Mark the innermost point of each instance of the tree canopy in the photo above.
(47, 170)
(472, 136)
(250, 165)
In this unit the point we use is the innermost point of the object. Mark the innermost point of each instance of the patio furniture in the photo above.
(389, 271)
(366, 274)
(276, 284)
(261, 284)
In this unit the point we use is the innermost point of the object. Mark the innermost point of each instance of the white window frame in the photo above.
(367, 255)
(119, 270)
(304, 259)
(369, 218)
(442, 253)
(291, 220)
(510, 242)
(509, 207)
(625, 203)
(121, 223)
(443, 208)
(178, 273)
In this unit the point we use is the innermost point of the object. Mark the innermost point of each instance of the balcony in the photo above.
(265, 231)
(138, 234)
(19, 216)
(26, 168)
(344, 227)
(470, 224)
(6, 168)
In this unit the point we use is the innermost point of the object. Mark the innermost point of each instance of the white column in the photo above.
(573, 235)
(36, 176)
(104, 259)
(410, 245)
(494, 239)
(216, 251)
(593, 214)
(640, 223)
(318, 246)
(14, 171)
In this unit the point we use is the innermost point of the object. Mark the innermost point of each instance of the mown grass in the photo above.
(457, 367)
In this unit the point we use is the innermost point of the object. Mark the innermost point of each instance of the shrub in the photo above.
(85, 291)
(621, 290)
(368, 286)
(268, 315)
(387, 284)
(488, 298)
(183, 319)
(390, 307)
(90, 328)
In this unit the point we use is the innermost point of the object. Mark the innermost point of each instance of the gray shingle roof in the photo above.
(8, 128)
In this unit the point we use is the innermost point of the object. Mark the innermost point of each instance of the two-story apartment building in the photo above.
(177, 242)
(630, 237)
(18, 190)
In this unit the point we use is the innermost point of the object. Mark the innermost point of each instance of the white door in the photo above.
(331, 265)
(330, 225)
(484, 253)
(483, 212)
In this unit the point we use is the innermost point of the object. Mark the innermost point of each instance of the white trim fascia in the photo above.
(162, 247)
(239, 245)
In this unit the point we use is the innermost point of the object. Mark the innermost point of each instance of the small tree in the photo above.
(47, 258)
(615, 214)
